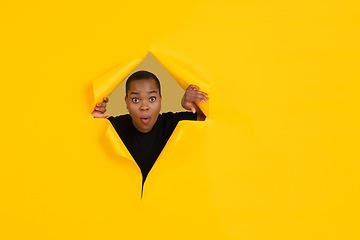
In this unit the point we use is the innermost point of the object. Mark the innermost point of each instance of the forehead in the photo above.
(143, 85)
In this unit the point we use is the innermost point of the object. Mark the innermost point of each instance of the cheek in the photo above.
(132, 108)
(156, 106)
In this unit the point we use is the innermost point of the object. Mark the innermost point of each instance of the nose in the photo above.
(144, 107)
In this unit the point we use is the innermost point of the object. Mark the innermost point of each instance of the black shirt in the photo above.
(146, 147)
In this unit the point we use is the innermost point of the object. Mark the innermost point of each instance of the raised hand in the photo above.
(191, 95)
(100, 109)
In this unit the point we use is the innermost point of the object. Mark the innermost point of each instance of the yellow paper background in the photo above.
(277, 158)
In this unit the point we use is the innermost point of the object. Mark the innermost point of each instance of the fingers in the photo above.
(200, 96)
(102, 104)
(101, 107)
(195, 88)
(192, 87)
(194, 94)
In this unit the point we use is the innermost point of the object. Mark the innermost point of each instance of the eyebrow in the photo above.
(137, 93)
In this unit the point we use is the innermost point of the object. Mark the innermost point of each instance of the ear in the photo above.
(126, 102)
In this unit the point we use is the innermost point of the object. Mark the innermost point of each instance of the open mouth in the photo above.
(145, 119)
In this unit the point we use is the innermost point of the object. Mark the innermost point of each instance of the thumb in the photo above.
(97, 114)
(192, 108)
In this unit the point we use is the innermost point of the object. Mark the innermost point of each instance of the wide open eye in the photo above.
(152, 99)
(135, 100)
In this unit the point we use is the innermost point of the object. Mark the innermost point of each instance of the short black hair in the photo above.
(140, 75)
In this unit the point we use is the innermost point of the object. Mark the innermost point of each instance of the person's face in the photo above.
(143, 102)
